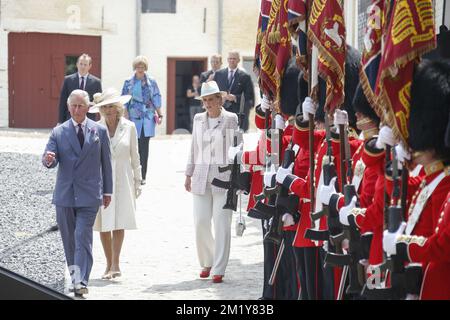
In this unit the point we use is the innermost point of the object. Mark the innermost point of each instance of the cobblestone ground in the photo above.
(159, 259)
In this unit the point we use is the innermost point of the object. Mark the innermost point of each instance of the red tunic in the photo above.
(435, 252)
(301, 187)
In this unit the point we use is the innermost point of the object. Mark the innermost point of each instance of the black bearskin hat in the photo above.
(447, 135)
(361, 105)
(352, 63)
(442, 51)
(288, 90)
(430, 106)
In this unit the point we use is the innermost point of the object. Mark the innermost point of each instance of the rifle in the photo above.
(284, 203)
(393, 217)
(256, 212)
(280, 201)
(356, 270)
(329, 172)
(238, 180)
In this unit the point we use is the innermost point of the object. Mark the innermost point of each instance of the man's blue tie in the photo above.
(80, 135)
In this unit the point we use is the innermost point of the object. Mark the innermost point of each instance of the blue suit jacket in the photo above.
(84, 175)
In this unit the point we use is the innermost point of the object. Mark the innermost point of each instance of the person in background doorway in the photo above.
(194, 105)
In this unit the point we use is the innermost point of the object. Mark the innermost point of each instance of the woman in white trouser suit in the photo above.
(212, 135)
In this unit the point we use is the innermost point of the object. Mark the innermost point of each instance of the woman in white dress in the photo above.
(120, 215)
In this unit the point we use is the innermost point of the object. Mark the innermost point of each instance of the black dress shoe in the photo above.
(80, 290)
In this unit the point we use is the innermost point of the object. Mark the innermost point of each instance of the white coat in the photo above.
(126, 169)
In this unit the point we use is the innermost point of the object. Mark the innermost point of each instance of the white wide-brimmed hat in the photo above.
(109, 96)
(209, 88)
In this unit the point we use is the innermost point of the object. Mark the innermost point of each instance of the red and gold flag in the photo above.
(275, 49)
(410, 34)
(297, 18)
(371, 54)
(327, 32)
(262, 26)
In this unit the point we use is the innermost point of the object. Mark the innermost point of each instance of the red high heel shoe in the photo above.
(217, 279)
(205, 273)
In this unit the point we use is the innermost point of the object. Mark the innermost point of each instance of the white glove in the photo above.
(268, 176)
(283, 172)
(325, 246)
(340, 117)
(265, 103)
(345, 243)
(385, 137)
(279, 122)
(345, 212)
(390, 240)
(326, 191)
(287, 219)
(402, 153)
(233, 151)
(309, 106)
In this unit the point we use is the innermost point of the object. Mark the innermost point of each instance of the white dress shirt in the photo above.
(83, 126)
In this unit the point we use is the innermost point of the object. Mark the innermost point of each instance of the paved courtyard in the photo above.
(159, 259)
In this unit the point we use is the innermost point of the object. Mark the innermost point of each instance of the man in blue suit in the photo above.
(81, 147)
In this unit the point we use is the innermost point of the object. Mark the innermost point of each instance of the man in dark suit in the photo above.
(79, 80)
(216, 64)
(236, 82)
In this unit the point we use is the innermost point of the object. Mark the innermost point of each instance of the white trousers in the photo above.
(212, 252)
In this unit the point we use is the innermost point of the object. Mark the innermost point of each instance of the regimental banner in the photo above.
(275, 49)
(262, 27)
(327, 32)
(284, 51)
(396, 99)
(268, 57)
(371, 54)
(259, 35)
(297, 17)
(410, 34)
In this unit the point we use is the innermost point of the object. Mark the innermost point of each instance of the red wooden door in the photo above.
(36, 66)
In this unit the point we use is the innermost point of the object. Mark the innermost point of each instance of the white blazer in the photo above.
(209, 150)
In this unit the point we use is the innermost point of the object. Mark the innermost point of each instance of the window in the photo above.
(159, 6)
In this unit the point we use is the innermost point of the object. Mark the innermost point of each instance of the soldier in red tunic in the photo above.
(425, 237)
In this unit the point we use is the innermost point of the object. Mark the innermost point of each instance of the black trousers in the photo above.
(286, 281)
(327, 274)
(270, 253)
(143, 143)
(308, 270)
(285, 286)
